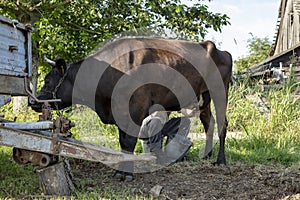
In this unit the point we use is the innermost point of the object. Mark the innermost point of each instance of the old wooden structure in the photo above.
(285, 53)
(288, 30)
(15, 58)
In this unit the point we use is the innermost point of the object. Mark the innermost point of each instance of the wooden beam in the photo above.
(14, 86)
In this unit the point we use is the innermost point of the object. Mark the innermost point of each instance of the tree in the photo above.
(72, 29)
(259, 49)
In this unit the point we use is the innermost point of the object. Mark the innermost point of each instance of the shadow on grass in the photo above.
(246, 152)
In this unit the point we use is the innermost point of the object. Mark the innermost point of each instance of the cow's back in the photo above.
(127, 53)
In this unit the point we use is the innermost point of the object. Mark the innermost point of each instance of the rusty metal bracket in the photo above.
(46, 113)
(61, 126)
(28, 91)
(23, 156)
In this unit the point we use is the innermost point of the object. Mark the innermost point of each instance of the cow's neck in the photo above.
(92, 83)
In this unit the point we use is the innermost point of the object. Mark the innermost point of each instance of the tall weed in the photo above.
(269, 121)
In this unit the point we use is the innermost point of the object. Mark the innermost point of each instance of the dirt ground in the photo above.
(194, 180)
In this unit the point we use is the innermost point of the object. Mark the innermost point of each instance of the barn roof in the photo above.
(286, 44)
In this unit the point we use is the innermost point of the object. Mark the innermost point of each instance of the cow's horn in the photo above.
(51, 62)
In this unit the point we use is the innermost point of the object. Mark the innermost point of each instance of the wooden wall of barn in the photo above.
(288, 61)
(289, 29)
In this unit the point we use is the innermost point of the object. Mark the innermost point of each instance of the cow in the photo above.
(123, 79)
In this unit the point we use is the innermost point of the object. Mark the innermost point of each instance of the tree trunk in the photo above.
(55, 180)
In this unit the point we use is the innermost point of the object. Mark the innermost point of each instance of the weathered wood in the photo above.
(13, 50)
(12, 85)
(288, 31)
(4, 99)
(67, 147)
(55, 180)
(43, 125)
(290, 63)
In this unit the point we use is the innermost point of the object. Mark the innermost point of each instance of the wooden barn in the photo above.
(285, 53)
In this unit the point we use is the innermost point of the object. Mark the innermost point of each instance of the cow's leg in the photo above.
(220, 107)
(208, 123)
(221, 155)
(127, 143)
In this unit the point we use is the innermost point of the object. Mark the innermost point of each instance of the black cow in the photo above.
(126, 77)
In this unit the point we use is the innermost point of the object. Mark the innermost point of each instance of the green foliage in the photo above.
(259, 49)
(24, 115)
(72, 29)
(17, 181)
(90, 128)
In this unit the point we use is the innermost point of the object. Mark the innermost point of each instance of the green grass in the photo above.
(16, 181)
(108, 193)
(269, 138)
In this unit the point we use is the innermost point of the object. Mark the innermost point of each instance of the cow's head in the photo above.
(56, 86)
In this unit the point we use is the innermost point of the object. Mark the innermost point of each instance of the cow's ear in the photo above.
(61, 65)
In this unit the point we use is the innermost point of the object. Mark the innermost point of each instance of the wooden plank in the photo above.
(15, 49)
(11, 22)
(14, 86)
(297, 6)
(12, 49)
(68, 148)
(43, 125)
(4, 99)
(296, 36)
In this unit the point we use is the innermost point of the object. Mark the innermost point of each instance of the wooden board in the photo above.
(14, 86)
